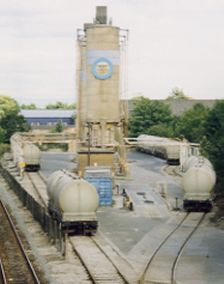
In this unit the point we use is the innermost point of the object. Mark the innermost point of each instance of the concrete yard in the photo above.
(135, 234)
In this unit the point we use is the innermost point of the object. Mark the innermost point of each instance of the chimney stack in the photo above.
(101, 15)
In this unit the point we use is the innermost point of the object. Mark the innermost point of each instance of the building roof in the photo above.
(47, 113)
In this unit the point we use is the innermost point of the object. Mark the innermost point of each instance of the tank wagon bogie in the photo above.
(198, 182)
(197, 205)
(72, 203)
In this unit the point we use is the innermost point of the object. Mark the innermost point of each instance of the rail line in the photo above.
(175, 265)
(40, 189)
(99, 267)
(162, 266)
(15, 264)
(3, 279)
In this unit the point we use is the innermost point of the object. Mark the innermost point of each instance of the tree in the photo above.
(177, 94)
(147, 114)
(2, 135)
(30, 106)
(191, 123)
(7, 106)
(161, 130)
(10, 119)
(213, 142)
(59, 127)
(60, 105)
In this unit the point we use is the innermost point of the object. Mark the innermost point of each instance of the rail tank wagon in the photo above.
(31, 154)
(73, 203)
(151, 145)
(198, 182)
(25, 154)
(173, 153)
(161, 147)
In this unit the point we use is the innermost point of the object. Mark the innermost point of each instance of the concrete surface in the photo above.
(126, 228)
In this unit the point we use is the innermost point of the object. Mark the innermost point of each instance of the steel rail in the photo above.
(159, 247)
(83, 262)
(3, 276)
(115, 266)
(93, 278)
(29, 264)
(174, 268)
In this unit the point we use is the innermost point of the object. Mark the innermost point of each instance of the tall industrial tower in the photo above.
(101, 116)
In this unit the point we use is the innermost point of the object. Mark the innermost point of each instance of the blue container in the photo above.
(103, 186)
(101, 178)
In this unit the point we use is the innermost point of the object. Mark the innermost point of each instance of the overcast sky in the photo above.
(173, 43)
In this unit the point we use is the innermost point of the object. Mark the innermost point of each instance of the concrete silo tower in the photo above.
(101, 119)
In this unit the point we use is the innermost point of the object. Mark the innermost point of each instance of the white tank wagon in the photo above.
(32, 155)
(151, 145)
(73, 202)
(162, 147)
(26, 155)
(16, 145)
(173, 152)
(198, 183)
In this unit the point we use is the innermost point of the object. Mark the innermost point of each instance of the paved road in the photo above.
(53, 161)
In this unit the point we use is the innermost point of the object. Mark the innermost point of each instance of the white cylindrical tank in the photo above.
(196, 161)
(199, 179)
(16, 144)
(71, 197)
(190, 162)
(31, 154)
(173, 152)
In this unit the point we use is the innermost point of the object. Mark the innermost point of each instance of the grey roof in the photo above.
(47, 113)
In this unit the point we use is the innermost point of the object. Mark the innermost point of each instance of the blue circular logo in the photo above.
(102, 68)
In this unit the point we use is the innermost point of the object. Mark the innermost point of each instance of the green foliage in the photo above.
(60, 105)
(147, 114)
(2, 135)
(177, 94)
(162, 130)
(213, 142)
(30, 106)
(191, 123)
(10, 119)
(4, 148)
(7, 106)
(59, 127)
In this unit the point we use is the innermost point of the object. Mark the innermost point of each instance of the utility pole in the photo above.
(89, 126)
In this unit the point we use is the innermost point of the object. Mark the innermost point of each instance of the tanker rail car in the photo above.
(31, 154)
(198, 181)
(25, 154)
(161, 147)
(72, 203)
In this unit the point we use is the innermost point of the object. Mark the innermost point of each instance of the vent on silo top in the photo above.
(101, 15)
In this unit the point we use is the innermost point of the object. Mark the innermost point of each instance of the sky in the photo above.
(172, 44)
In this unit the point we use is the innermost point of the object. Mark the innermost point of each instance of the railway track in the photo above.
(15, 265)
(3, 279)
(161, 268)
(100, 268)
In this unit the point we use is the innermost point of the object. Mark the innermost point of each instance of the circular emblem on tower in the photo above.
(102, 68)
